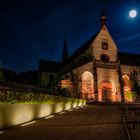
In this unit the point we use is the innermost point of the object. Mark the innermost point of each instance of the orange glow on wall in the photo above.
(66, 84)
(128, 94)
(66, 87)
(107, 92)
(126, 83)
(87, 88)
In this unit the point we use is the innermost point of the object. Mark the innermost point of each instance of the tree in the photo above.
(9, 75)
(134, 82)
(1, 73)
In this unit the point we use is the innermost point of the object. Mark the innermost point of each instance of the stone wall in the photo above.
(87, 67)
(15, 114)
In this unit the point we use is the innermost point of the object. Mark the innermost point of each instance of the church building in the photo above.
(97, 71)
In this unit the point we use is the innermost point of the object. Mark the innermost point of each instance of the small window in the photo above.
(105, 45)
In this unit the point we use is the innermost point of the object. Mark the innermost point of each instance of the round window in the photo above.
(105, 58)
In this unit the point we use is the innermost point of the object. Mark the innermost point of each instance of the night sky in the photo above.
(33, 30)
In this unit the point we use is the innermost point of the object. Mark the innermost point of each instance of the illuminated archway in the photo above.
(106, 92)
(66, 88)
(126, 83)
(127, 87)
(87, 88)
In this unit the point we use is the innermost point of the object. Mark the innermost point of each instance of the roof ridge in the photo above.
(83, 47)
(51, 61)
(129, 53)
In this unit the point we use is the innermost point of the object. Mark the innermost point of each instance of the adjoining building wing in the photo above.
(129, 59)
(48, 71)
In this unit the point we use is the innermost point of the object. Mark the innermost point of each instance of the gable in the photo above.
(97, 45)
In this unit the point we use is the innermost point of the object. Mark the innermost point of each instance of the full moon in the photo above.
(132, 13)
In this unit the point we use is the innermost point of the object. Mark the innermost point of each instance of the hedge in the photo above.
(14, 96)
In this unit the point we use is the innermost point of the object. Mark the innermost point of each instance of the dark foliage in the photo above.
(29, 78)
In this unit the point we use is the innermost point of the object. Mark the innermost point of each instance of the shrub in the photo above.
(130, 96)
(13, 96)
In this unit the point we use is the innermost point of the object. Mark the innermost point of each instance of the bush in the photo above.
(130, 96)
(13, 96)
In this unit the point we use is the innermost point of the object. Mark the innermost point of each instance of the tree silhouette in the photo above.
(1, 73)
(134, 82)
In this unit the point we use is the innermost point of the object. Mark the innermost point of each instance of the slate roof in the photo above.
(52, 66)
(81, 50)
(49, 66)
(129, 59)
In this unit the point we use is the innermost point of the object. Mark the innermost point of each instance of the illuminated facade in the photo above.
(97, 70)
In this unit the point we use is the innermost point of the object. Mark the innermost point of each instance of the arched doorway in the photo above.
(106, 92)
(87, 88)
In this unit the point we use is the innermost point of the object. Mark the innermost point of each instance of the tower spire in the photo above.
(103, 16)
(65, 51)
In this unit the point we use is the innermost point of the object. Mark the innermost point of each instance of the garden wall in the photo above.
(15, 114)
(19, 106)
